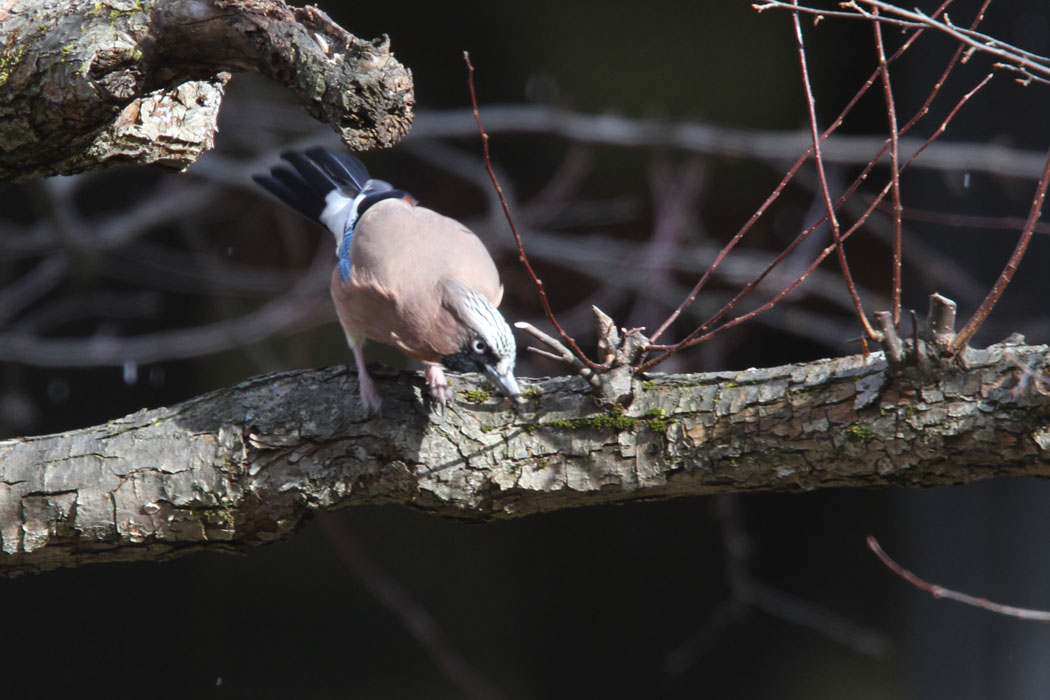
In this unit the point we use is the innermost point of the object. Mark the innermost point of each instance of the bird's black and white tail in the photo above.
(332, 188)
(313, 176)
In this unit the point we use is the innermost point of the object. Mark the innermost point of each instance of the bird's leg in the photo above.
(370, 398)
(438, 385)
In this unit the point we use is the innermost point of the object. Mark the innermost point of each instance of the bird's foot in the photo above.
(370, 399)
(437, 383)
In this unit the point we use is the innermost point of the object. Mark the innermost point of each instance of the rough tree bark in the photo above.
(84, 85)
(245, 465)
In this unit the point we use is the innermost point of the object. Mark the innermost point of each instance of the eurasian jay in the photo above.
(406, 275)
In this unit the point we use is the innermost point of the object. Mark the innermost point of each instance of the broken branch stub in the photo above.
(940, 322)
(929, 346)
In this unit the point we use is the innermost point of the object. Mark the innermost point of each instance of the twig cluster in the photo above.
(1029, 66)
(876, 13)
(892, 144)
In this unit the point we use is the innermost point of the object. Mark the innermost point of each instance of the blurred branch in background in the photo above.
(564, 229)
(419, 621)
(775, 148)
(746, 595)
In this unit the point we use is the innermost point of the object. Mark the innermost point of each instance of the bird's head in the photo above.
(488, 345)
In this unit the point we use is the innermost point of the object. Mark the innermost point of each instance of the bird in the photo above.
(405, 275)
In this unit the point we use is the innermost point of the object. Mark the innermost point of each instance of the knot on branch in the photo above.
(619, 352)
(613, 379)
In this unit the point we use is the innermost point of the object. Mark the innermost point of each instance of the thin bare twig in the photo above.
(895, 181)
(942, 592)
(560, 354)
(1015, 58)
(964, 336)
(833, 221)
(569, 340)
(698, 335)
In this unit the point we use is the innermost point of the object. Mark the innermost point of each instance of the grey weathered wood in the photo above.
(89, 84)
(245, 465)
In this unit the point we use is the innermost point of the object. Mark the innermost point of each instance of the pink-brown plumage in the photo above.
(401, 255)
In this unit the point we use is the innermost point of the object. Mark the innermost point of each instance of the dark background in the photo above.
(629, 601)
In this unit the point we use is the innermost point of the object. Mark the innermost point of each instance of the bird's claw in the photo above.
(437, 383)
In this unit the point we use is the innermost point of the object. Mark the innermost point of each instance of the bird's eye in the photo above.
(478, 345)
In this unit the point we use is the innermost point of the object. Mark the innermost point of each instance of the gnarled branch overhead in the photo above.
(245, 465)
(84, 85)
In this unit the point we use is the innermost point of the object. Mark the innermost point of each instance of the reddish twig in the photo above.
(891, 117)
(833, 221)
(964, 336)
(774, 195)
(571, 342)
(942, 592)
(697, 336)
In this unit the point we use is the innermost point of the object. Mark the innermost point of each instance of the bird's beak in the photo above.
(505, 382)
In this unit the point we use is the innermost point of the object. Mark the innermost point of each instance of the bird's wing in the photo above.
(402, 257)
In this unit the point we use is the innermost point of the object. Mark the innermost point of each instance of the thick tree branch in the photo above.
(89, 84)
(245, 465)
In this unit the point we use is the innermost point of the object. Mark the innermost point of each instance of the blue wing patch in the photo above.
(344, 253)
